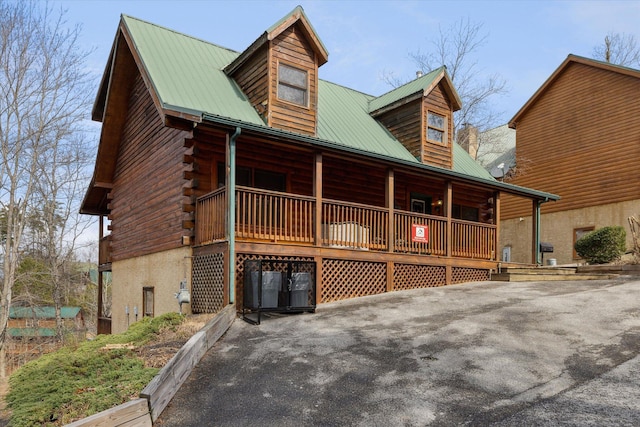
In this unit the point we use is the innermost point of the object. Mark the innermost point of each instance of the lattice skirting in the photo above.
(241, 258)
(207, 283)
(342, 279)
(462, 275)
(410, 276)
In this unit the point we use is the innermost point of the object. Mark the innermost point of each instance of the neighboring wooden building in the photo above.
(40, 322)
(210, 157)
(579, 135)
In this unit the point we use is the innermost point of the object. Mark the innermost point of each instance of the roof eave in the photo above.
(570, 59)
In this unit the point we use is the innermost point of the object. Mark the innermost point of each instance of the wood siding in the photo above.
(404, 124)
(433, 153)
(292, 48)
(147, 189)
(253, 79)
(580, 140)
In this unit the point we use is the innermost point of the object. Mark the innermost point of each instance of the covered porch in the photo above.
(370, 225)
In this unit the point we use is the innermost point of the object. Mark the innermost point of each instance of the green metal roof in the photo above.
(31, 332)
(463, 163)
(42, 312)
(414, 86)
(186, 72)
(343, 118)
(187, 76)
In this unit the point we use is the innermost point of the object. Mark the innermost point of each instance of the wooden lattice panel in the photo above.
(342, 279)
(409, 276)
(241, 258)
(462, 275)
(207, 283)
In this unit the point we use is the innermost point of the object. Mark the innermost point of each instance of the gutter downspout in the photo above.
(231, 213)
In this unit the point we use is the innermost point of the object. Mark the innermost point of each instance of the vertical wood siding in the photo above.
(292, 48)
(580, 140)
(145, 214)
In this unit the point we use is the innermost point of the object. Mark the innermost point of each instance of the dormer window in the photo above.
(293, 85)
(436, 128)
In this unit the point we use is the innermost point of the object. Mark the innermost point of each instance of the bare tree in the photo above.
(456, 47)
(43, 100)
(620, 49)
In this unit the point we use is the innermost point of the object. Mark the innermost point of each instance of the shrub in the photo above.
(603, 245)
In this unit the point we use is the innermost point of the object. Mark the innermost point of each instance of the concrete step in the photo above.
(541, 277)
(561, 271)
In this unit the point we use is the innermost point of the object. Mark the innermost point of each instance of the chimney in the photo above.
(467, 138)
(419, 74)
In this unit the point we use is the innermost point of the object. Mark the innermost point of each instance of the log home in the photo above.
(209, 158)
(579, 136)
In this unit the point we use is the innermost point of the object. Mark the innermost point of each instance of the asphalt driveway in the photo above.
(490, 353)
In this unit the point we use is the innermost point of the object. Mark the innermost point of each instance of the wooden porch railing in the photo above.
(354, 226)
(104, 250)
(211, 217)
(273, 216)
(437, 239)
(473, 239)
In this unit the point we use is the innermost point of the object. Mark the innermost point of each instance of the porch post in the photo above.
(100, 285)
(389, 201)
(391, 231)
(448, 206)
(317, 193)
(535, 231)
(231, 209)
(496, 222)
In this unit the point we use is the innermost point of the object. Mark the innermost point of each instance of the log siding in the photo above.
(580, 140)
(147, 186)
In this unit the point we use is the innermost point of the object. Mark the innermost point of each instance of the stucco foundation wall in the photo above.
(557, 229)
(163, 271)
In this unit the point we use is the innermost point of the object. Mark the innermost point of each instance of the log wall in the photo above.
(147, 187)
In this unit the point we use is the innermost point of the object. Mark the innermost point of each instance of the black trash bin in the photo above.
(271, 286)
(300, 285)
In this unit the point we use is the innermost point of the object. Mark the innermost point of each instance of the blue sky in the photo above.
(526, 42)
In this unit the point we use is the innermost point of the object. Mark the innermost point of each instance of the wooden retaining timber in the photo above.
(159, 392)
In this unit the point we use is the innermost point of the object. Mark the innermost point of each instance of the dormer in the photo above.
(279, 73)
(419, 114)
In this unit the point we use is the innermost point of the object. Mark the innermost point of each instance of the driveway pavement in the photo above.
(490, 353)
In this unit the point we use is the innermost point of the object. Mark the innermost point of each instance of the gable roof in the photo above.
(417, 88)
(44, 312)
(571, 59)
(187, 79)
(296, 16)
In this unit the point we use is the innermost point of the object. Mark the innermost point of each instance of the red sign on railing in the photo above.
(419, 233)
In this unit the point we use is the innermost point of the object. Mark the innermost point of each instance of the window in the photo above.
(292, 85)
(436, 128)
(147, 302)
(257, 178)
(577, 234)
(420, 203)
(466, 213)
